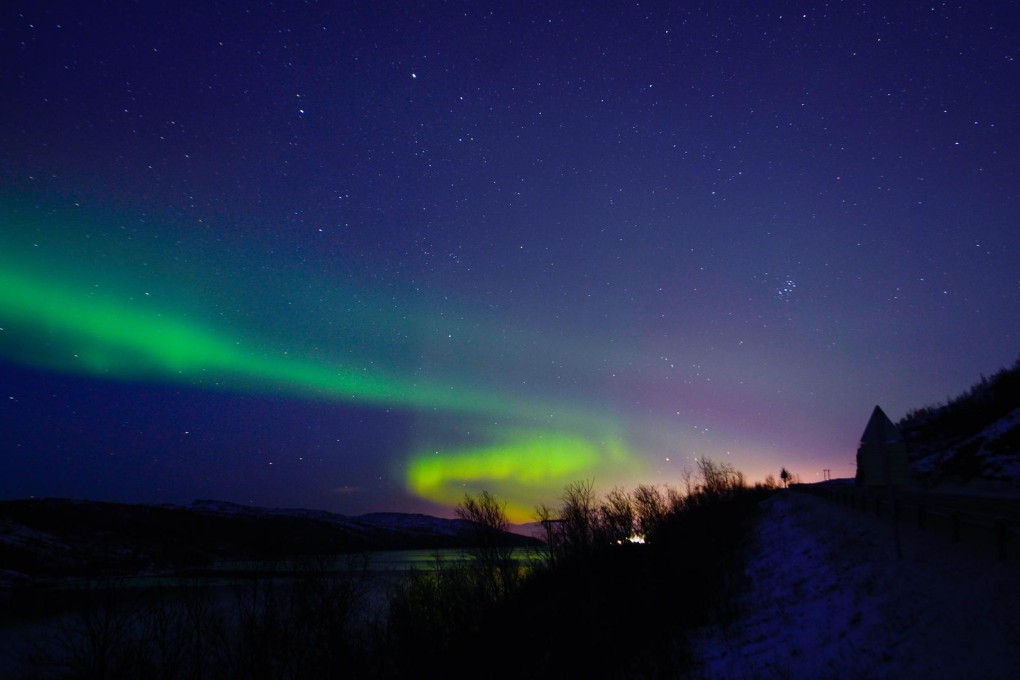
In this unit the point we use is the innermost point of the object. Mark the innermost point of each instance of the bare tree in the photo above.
(578, 516)
(488, 516)
(719, 479)
(553, 532)
(675, 500)
(616, 517)
(650, 508)
(687, 479)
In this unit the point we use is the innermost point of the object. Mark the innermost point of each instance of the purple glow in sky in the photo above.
(367, 256)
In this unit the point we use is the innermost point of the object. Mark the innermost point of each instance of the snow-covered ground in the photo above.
(827, 598)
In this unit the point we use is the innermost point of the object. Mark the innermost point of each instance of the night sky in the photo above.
(369, 256)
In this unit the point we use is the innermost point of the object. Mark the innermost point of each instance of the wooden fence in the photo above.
(989, 525)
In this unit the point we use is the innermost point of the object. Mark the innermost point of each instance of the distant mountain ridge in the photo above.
(50, 539)
(385, 521)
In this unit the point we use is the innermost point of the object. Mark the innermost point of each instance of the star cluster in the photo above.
(369, 256)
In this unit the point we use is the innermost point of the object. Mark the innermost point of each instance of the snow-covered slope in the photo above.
(991, 454)
(974, 436)
(825, 597)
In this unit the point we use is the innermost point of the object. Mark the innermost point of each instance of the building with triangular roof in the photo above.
(882, 455)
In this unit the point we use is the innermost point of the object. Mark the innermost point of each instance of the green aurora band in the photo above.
(86, 334)
(73, 327)
(526, 465)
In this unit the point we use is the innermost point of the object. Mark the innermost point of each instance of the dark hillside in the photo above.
(974, 435)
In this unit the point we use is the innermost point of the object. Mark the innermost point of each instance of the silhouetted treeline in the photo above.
(601, 604)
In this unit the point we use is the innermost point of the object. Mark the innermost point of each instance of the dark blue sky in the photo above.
(367, 256)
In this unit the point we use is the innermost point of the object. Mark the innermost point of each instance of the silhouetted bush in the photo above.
(610, 608)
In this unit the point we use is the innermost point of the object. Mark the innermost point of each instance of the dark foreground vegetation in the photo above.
(600, 605)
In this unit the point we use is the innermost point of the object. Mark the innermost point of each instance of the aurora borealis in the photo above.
(371, 257)
(109, 331)
(92, 334)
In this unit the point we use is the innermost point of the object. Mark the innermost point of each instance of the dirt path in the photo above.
(828, 599)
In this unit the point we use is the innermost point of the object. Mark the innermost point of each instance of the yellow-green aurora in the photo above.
(58, 318)
(524, 465)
